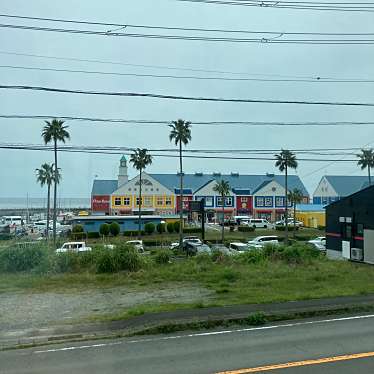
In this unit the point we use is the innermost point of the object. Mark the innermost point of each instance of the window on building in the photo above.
(159, 201)
(117, 201)
(168, 201)
(147, 201)
(244, 199)
(209, 201)
(279, 201)
(137, 201)
(260, 201)
(126, 201)
(228, 201)
(268, 201)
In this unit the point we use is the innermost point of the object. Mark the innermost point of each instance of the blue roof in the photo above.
(104, 187)
(247, 182)
(345, 185)
(310, 207)
(186, 191)
(241, 191)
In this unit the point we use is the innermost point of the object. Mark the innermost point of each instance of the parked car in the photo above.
(137, 244)
(261, 241)
(290, 223)
(319, 243)
(193, 248)
(257, 223)
(223, 249)
(73, 247)
(238, 247)
(191, 239)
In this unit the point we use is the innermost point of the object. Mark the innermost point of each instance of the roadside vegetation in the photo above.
(274, 274)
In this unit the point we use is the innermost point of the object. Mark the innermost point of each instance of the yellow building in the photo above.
(312, 215)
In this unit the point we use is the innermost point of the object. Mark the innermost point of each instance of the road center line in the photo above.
(211, 333)
(287, 365)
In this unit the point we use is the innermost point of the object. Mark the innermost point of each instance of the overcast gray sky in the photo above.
(17, 167)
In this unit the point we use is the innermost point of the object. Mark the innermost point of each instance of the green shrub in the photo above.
(256, 319)
(5, 236)
(253, 256)
(104, 229)
(283, 228)
(77, 228)
(66, 262)
(176, 226)
(93, 235)
(127, 258)
(78, 235)
(149, 228)
(133, 233)
(105, 262)
(22, 259)
(161, 228)
(114, 228)
(191, 230)
(322, 228)
(150, 242)
(163, 256)
(170, 227)
(246, 228)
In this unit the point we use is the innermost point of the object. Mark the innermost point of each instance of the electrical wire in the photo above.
(315, 80)
(188, 98)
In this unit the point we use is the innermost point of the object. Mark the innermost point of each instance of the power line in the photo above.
(268, 40)
(194, 122)
(104, 151)
(342, 7)
(187, 98)
(168, 28)
(315, 80)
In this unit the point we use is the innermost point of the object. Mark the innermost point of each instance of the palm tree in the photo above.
(223, 188)
(46, 176)
(140, 160)
(296, 197)
(55, 131)
(285, 160)
(366, 160)
(181, 134)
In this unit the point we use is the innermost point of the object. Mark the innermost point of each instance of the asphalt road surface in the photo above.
(333, 345)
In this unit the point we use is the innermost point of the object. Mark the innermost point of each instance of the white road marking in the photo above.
(212, 333)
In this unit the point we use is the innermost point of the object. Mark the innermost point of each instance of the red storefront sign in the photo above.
(100, 203)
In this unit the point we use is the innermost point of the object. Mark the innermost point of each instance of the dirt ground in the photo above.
(36, 310)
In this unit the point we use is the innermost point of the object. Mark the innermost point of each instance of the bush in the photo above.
(149, 228)
(106, 262)
(133, 233)
(161, 228)
(176, 226)
(253, 256)
(127, 258)
(246, 228)
(322, 228)
(283, 228)
(93, 235)
(163, 256)
(66, 262)
(191, 230)
(5, 236)
(256, 319)
(22, 259)
(104, 229)
(114, 228)
(170, 227)
(77, 228)
(78, 235)
(151, 242)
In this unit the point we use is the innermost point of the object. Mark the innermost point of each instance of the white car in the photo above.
(290, 223)
(257, 223)
(73, 247)
(238, 247)
(260, 241)
(137, 244)
(319, 243)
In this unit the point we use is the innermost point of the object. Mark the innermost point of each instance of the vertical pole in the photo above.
(202, 210)
(286, 209)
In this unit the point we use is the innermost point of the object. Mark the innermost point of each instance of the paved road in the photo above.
(211, 352)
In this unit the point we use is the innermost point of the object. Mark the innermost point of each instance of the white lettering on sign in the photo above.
(102, 200)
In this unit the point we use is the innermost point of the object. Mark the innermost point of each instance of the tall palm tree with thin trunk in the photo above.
(223, 188)
(55, 131)
(366, 160)
(286, 160)
(46, 176)
(181, 135)
(296, 197)
(140, 160)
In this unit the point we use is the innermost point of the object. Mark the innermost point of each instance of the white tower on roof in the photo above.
(122, 173)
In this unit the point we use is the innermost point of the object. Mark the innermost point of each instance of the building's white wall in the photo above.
(271, 189)
(324, 189)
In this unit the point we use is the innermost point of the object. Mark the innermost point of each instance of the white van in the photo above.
(12, 220)
(257, 223)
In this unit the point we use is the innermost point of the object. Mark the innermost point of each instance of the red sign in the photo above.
(100, 203)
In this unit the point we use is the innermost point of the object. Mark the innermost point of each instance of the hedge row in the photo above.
(246, 228)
